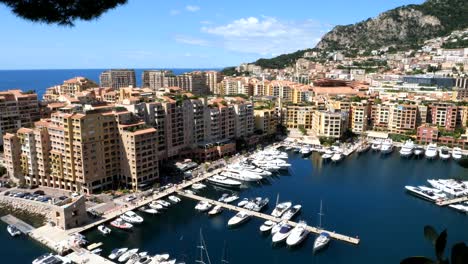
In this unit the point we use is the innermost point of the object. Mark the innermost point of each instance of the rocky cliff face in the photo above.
(404, 26)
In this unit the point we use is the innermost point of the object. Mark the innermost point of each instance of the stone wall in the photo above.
(34, 207)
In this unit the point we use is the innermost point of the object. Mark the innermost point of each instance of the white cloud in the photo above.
(206, 22)
(267, 35)
(191, 40)
(174, 12)
(192, 8)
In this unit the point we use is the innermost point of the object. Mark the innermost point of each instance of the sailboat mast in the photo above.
(224, 258)
(201, 248)
(320, 215)
(277, 199)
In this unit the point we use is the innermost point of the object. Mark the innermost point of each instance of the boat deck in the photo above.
(20, 224)
(453, 201)
(351, 240)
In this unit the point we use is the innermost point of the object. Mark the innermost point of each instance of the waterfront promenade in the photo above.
(340, 237)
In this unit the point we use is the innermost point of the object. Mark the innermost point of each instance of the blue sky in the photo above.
(179, 34)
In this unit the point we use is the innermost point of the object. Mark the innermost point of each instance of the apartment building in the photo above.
(299, 116)
(194, 82)
(17, 109)
(329, 123)
(235, 86)
(380, 114)
(359, 117)
(444, 114)
(212, 79)
(281, 89)
(117, 78)
(266, 120)
(402, 118)
(71, 87)
(157, 79)
(84, 149)
(243, 118)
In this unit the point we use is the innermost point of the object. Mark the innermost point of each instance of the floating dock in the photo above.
(18, 223)
(453, 201)
(351, 240)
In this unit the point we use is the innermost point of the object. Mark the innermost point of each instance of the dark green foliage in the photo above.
(460, 43)
(282, 61)
(459, 253)
(229, 71)
(3, 171)
(62, 12)
(452, 13)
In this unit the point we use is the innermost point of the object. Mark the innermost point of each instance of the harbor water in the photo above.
(362, 196)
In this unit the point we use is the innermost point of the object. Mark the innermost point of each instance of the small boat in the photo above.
(418, 150)
(364, 147)
(282, 234)
(431, 151)
(231, 199)
(50, 258)
(238, 219)
(298, 234)
(120, 223)
(224, 196)
(159, 258)
(321, 241)
(243, 203)
(97, 251)
(216, 210)
(267, 226)
(337, 156)
(13, 230)
(291, 212)
(328, 154)
(115, 253)
(462, 208)
(144, 260)
(132, 217)
(407, 149)
(444, 153)
(156, 205)
(224, 181)
(457, 153)
(104, 229)
(198, 186)
(125, 256)
(306, 151)
(277, 227)
(203, 206)
(189, 192)
(376, 146)
(174, 199)
(163, 203)
(260, 203)
(148, 210)
(386, 147)
(280, 209)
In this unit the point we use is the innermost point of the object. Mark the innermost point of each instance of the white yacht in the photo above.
(282, 234)
(444, 153)
(250, 168)
(156, 206)
(50, 258)
(239, 218)
(121, 224)
(125, 256)
(280, 209)
(426, 194)
(324, 238)
(328, 154)
(291, 212)
(241, 175)
(244, 202)
(463, 207)
(148, 210)
(277, 227)
(115, 253)
(407, 149)
(418, 150)
(231, 198)
(431, 151)
(163, 203)
(452, 188)
(216, 210)
(224, 181)
(203, 206)
(376, 146)
(267, 226)
(306, 151)
(386, 147)
(131, 217)
(198, 186)
(174, 199)
(298, 234)
(13, 230)
(337, 156)
(457, 153)
(104, 230)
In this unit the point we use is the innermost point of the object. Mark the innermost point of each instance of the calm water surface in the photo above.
(362, 196)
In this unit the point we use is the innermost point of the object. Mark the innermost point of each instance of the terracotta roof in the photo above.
(334, 90)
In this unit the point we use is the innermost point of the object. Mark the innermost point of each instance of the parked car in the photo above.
(7, 193)
(40, 192)
(63, 198)
(75, 194)
(130, 198)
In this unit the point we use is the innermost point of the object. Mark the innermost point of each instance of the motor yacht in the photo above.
(239, 218)
(198, 186)
(131, 217)
(328, 154)
(418, 151)
(148, 210)
(407, 149)
(425, 194)
(224, 196)
(121, 224)
(125, 256)
(306, 151)
(50, 258)
(457, 153)
(267, 226)
(203, 206)
(386, 147)
(231, 199)
(13, 230)
(462, 207)
(376, 146)
(444, 153)
(282, 234)
(321, 241)
(216, 210)
(243, 203)
(298, 234)
(241, 175)
(280, 209)
(291, 212)
(115, 253)
(364, 147)
(163, 203)
(337, 156)
(260, 203)
(174, 199)
(104, 230)
(250, 169)
(431, 151)
(224, 181)
(156, 206)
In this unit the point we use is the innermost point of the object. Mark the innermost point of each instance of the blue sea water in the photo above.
(362, 196)
(40, 80)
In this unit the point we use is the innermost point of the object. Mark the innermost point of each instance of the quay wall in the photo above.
(33, 207)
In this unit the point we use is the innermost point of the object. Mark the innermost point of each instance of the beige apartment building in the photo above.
(359, 117)
(117, 78)
(444, 114)
(266, 120)
(402, 118)
(299, 116)
(72, 88)
(157, 79)
(329, 124)
(17, 109)
(380, 114)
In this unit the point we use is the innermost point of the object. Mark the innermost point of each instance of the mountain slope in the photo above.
(404, 26)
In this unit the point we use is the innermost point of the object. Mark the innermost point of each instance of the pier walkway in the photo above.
(351, 240)
(453, 201)
(18, 223)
